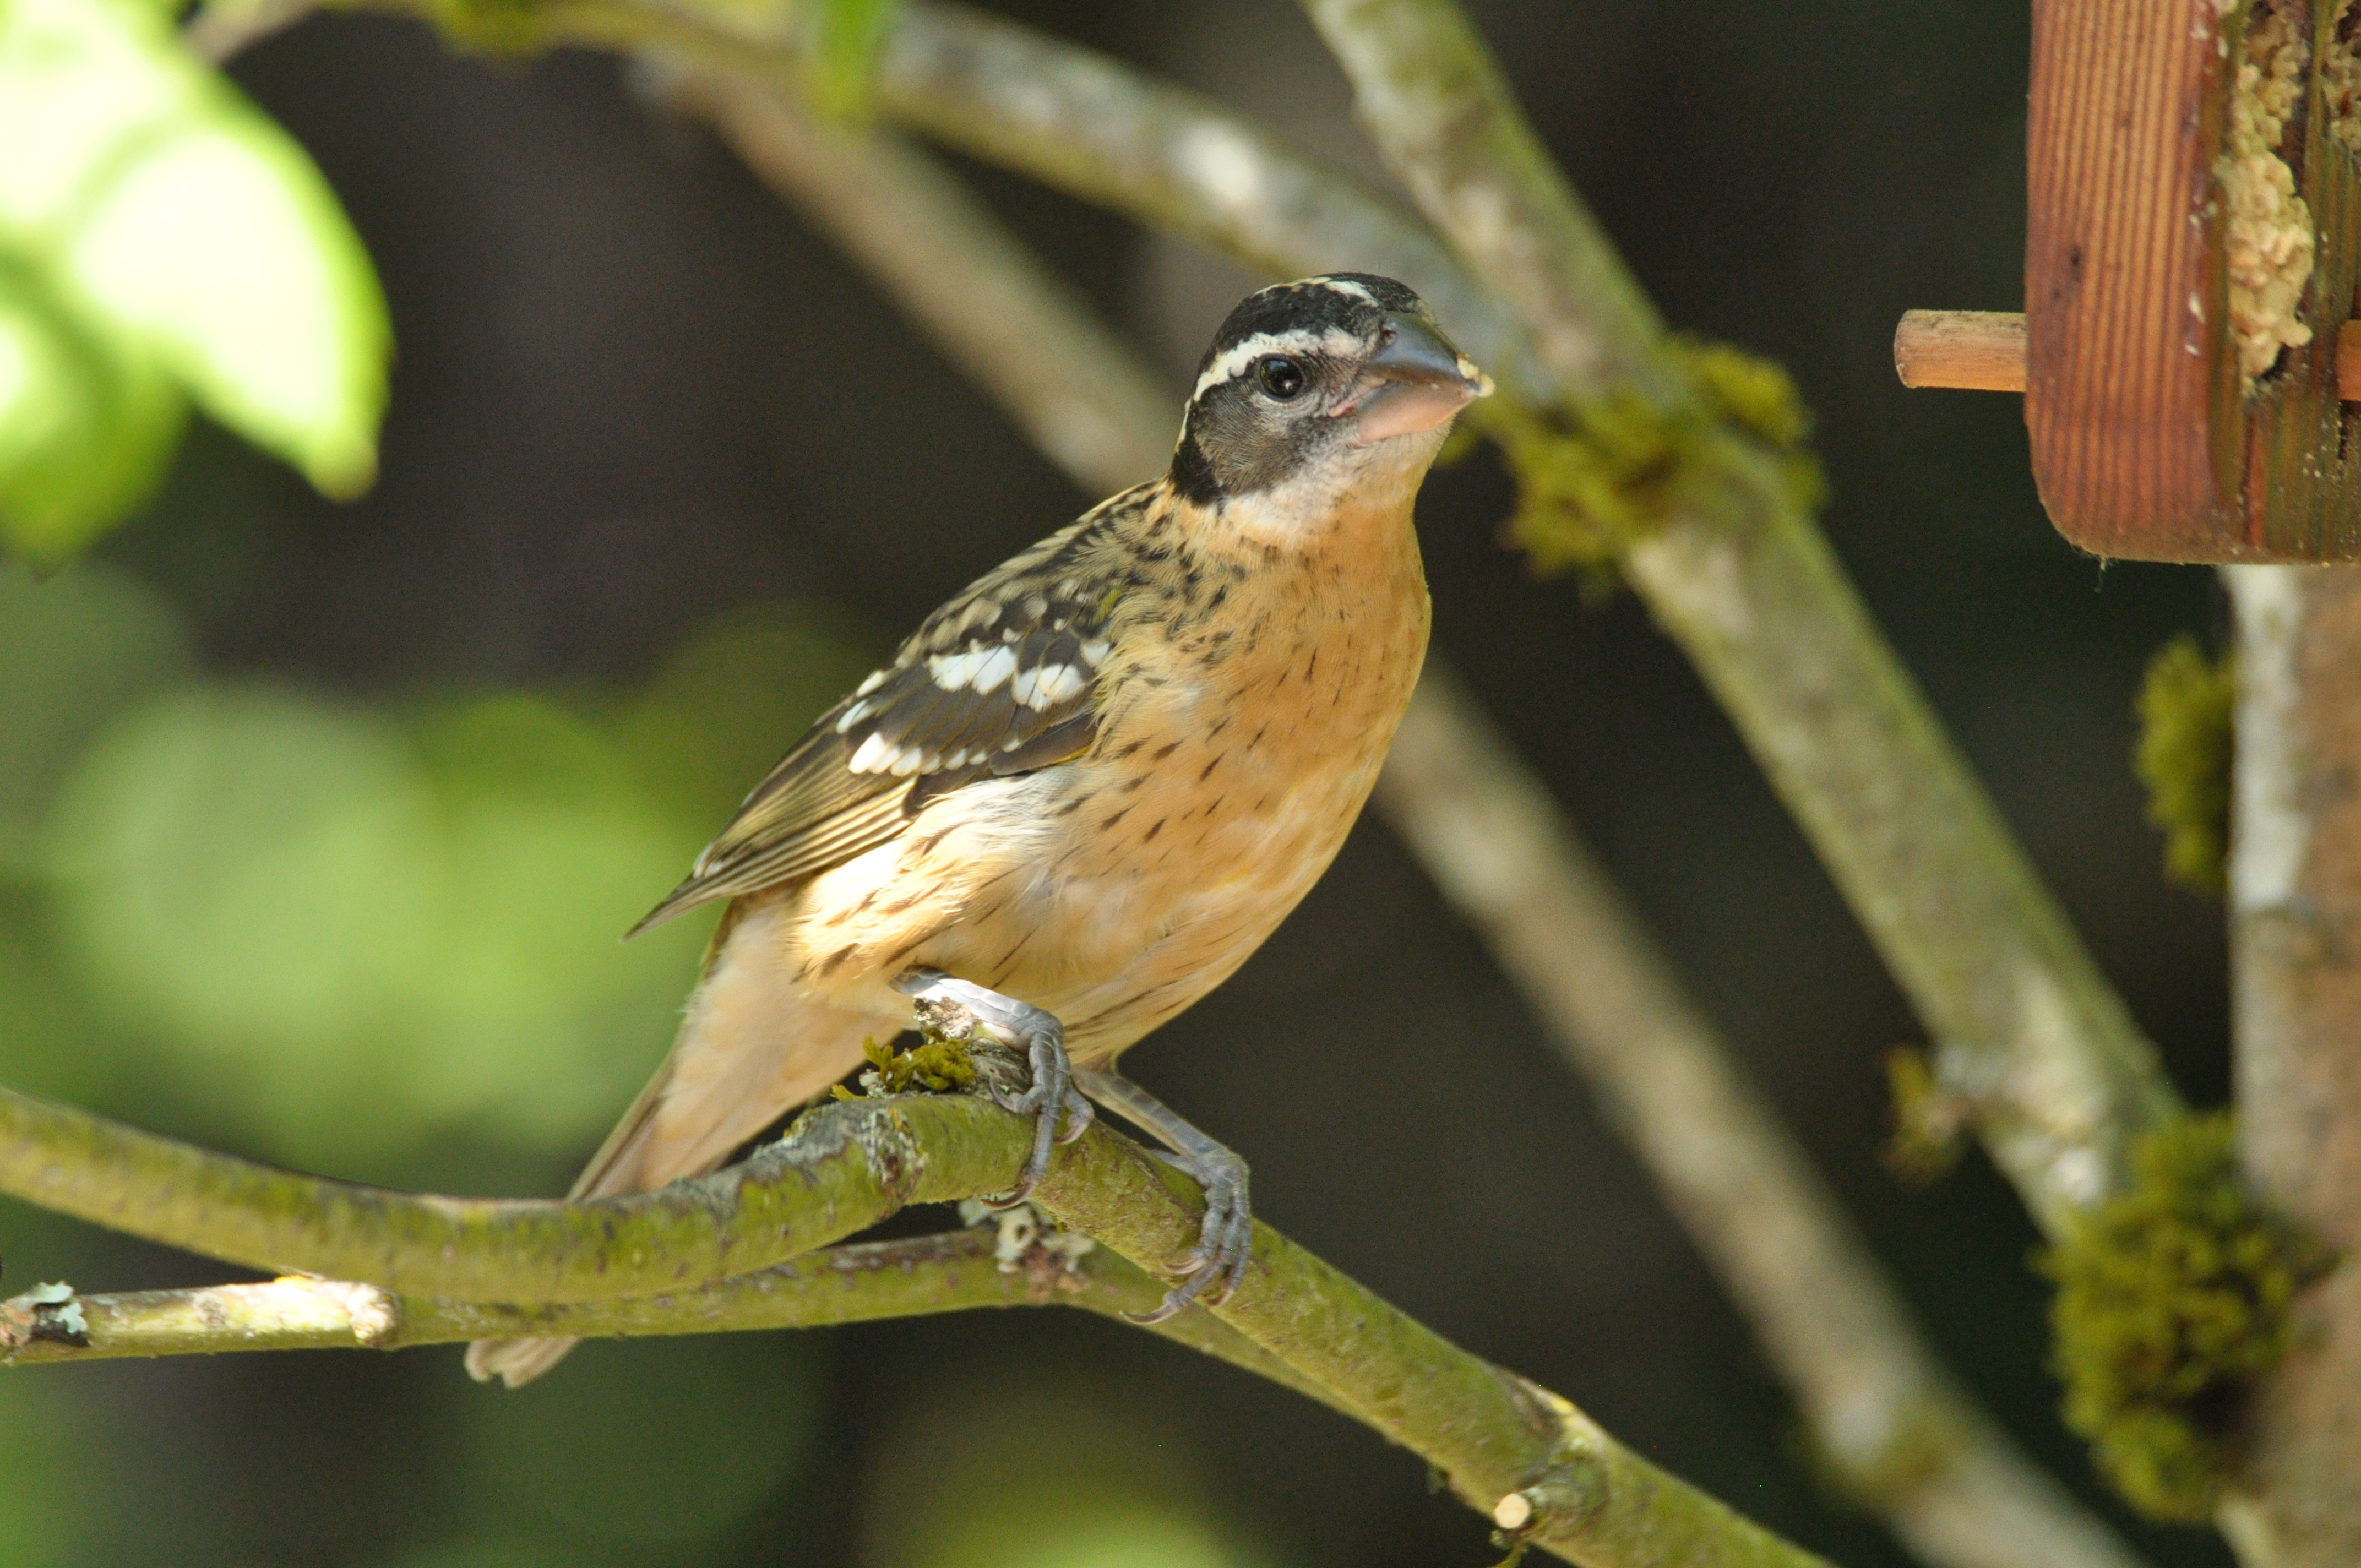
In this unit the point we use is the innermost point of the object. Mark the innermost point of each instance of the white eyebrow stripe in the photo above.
(1346, 285)
(1329, 340)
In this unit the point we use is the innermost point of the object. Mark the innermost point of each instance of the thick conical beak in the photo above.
(1415, 382)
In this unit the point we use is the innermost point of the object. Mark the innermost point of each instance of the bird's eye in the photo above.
(1282, 378)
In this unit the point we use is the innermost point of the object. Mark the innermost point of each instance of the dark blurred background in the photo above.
(317, 823)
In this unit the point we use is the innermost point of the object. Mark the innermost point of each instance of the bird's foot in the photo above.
(967, 1011)
(1217, 1264)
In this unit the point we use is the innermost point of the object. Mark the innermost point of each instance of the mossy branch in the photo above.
(838, 1173)
(863, 1282)
(2295, 904)
(597, 1265)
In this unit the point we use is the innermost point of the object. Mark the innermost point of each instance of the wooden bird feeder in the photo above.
(2188, 342)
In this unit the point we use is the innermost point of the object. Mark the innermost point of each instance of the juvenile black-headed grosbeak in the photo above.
(1093, 782)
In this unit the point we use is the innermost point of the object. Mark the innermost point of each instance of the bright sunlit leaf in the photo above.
(80, 83)
(157, 231)
(86, 427)
(225, 251)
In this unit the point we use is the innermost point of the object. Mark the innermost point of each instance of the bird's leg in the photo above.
(1013, 1022)
(1219, 1260)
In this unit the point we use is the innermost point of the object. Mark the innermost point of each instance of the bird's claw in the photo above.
(1050, 1099)
(1217, 1264)
(1074, 1111)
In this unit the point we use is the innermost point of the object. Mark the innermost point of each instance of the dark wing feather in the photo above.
(1001, 680)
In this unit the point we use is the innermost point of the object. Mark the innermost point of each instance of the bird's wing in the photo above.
(1001, 680)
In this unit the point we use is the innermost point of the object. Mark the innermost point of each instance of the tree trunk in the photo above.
(2295, 911)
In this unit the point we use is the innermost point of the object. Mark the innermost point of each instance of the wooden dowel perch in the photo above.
(1977, 351)
(1984, 351)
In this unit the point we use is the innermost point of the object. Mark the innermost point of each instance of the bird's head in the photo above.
(1329, 386)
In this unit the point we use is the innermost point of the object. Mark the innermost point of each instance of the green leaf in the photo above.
(224, 250)
(160, 236)
(86, 427)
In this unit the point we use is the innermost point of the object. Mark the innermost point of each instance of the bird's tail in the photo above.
(751, 1046)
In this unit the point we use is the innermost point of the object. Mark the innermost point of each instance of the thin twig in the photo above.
(1904, 1438)
(864, 1282)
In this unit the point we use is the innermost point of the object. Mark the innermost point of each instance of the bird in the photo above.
(1092, 782)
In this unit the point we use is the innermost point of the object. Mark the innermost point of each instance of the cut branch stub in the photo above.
(2192, 244)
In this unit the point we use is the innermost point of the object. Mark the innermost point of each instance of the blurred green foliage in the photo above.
(339, 932)
(161, 241)
(43, 1433)
(1011, 1471)
(343, 929)
(642, 1441)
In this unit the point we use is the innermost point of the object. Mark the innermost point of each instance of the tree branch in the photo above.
(839, 1170)
(954, 1271)
(2295, 905)
(1904, 1438)
(1492, 1433)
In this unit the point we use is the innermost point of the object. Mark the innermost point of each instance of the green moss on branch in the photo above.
(2172, 1304)
(1595, 475)
(2186, 705)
